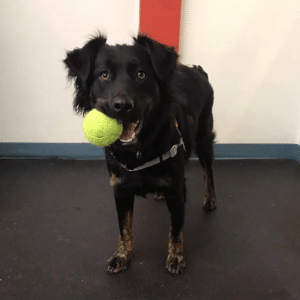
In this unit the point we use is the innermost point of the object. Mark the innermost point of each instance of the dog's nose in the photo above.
(122, 105)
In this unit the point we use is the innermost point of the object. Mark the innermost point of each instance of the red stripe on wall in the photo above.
(160, 19)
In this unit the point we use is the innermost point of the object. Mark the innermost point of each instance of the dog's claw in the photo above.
(209, 204)
(118, 263)
(175, 264)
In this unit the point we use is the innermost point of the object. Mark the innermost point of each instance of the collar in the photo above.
(171, 153)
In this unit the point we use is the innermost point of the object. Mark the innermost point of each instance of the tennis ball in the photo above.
(100, 129)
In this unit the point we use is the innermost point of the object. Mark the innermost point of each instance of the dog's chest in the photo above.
(139, 181)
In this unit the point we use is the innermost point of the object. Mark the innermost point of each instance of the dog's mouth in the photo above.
(130, 132)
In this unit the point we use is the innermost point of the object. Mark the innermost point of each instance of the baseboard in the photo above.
(51, 150)
(257, 151)
(88, 151)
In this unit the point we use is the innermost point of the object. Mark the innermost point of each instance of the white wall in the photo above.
(35, 97)
(251, 50)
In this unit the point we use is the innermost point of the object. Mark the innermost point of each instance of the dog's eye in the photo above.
(104, 76)
(141, 75)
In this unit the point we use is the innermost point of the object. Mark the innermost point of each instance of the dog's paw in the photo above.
(118, 263)
(209, 203)
(175, 264)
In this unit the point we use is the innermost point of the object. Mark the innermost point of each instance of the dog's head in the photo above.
(123, 81)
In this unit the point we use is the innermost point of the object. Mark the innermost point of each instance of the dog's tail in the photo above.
(200, 70)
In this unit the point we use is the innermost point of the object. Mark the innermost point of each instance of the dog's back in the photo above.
(194, 100)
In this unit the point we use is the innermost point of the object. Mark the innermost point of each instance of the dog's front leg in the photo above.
(121, 258)
(175, 261)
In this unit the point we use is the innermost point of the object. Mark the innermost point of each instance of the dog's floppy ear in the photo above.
(80, 61)
(80, 64)
(163, 57)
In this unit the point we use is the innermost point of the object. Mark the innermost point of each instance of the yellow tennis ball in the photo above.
(100, 129)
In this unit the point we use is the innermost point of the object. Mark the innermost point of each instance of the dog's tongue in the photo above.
(128, 133)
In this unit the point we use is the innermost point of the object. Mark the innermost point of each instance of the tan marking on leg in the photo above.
(125, 241)
(121, 258)
(209, 202)
(175, 260)
(114, 180)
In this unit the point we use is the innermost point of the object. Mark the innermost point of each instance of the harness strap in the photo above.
(171, 153)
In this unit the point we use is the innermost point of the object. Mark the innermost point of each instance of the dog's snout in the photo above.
(122, 105)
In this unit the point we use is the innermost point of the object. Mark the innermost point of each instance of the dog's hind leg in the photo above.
(204, 149)
(121, 258)
(175, 261)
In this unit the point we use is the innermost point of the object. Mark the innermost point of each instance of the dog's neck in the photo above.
(142, 152)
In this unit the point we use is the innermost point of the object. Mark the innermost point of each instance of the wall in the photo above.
(35, 96)
(251, 50)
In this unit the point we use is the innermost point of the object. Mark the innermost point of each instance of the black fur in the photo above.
(111, 79)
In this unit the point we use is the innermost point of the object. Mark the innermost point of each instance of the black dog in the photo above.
(166, 111)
